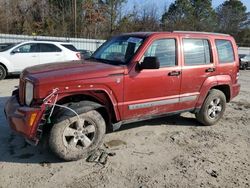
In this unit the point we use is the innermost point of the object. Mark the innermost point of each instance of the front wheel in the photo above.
(75, 138)
(245, 66)
(3, 72)
(213, 108)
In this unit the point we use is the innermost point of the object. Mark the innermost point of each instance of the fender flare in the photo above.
(78, 107)
(210, 83)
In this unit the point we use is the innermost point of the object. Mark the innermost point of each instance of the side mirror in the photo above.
(14, 51)
(150, 63)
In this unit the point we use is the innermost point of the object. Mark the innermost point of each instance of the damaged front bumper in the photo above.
(24, 120)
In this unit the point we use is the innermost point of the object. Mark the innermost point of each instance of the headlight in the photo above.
(28, 93)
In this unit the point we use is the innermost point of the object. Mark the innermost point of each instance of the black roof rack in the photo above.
(51, 40)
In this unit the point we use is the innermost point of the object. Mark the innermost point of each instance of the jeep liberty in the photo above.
(131, 77)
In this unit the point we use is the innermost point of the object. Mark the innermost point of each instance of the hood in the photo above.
(73, 70)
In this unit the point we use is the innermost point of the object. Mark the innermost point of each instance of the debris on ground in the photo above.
(100, 156)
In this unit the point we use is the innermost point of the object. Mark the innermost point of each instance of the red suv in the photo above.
(131, 77)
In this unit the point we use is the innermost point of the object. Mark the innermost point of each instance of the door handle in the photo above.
(174, 73)
(210, 69)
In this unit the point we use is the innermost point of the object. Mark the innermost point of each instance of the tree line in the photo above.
(104, 18)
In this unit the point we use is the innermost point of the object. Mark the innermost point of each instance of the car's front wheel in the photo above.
(213, 108)
(75, 138)
(3, 72)
(244, 67)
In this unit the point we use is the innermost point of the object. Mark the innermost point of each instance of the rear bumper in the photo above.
(235, 90)
(23, 120)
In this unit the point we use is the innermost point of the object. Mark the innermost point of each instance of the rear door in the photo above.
(198, 65)
(50, 53)
(227, 60)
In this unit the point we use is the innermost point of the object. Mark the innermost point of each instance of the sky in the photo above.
(162, 4)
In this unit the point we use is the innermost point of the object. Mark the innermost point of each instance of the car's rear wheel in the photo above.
(3, 72)
(75, 138)
(213, 108)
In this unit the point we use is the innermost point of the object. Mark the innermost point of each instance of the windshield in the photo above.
(242, 55)
(118, 50)
(7, 46)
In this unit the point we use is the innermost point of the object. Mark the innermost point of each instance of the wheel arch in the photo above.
(6, 68)
(87, 101)
(225, 89)
(221, 82)
(7, 64)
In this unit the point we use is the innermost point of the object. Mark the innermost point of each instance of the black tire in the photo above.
(72, 141)
(244, 66)
(213, 108)
(3, 72)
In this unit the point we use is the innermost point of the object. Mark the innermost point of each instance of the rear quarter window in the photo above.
(70, 47)
(225, 51)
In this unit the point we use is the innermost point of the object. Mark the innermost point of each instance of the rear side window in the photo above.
(164, 50)
(70, 47)
(196, 52)
(49, 48)
(225, 51)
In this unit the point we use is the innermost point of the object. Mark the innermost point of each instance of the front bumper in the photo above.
(23, 120)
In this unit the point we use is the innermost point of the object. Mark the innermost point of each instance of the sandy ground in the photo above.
(166, 152)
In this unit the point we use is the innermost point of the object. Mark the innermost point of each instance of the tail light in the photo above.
(78, 55)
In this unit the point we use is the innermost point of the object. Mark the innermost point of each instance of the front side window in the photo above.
(196, 52)
(225, 51)
(118, 50)
(164, 50)
(27, 48)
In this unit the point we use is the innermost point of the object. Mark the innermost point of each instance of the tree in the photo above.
(113, 12)
(178, 16)
(197, 15)
(204, 16)
(230, 15)
(93, 17)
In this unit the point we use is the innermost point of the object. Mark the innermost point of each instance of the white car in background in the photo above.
(16, 57)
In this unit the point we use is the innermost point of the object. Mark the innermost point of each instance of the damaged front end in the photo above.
(29, 120)
(24, 120)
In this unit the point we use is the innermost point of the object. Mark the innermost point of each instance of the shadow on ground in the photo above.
(174, 120)
(13, 77)
(14, 149)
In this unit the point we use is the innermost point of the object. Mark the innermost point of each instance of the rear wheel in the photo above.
(3, 72)
(73, 138)
(213, 108)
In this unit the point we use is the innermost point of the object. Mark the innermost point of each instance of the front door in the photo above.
(153, 92)
(24, 56)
